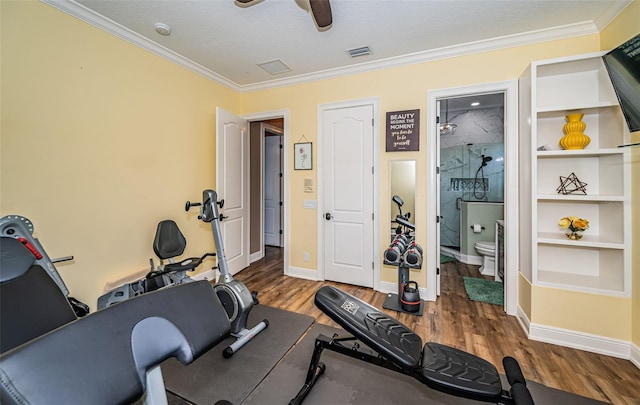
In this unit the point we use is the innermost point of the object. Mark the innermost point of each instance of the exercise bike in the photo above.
(233, 294)
(168, 244)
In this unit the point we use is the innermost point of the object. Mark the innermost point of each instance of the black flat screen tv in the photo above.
(623, 65)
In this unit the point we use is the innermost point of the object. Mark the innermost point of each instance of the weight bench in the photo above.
(395, 347)
(113, 356)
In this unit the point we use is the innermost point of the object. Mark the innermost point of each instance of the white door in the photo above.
(272, 191)
(232, 183)
(347, 156)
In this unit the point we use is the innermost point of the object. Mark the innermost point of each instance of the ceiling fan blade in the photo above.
(321, 12)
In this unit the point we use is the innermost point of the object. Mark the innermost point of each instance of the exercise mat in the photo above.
(211, 377)
(354, 382)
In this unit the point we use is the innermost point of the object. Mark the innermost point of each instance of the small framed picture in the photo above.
(302, 156)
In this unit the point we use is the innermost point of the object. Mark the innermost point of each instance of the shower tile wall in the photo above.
(480, 132)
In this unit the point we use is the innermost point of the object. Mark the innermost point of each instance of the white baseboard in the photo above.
(471, 259)
(635, 355)
(303, 273)
(523, 320)
(580, 340)
(209, 275)
(466, 259)
(253, 257)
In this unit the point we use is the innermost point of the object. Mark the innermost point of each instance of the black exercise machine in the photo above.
(21, 228)
(110, 356)
(392, 345)
(33, 298)
(168, 244)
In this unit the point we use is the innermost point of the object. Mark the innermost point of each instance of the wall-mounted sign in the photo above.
(403, 131)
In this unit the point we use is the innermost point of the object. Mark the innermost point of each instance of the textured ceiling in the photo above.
(228, 40)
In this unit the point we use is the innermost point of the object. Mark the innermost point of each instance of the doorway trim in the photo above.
(264, 129)
(375, 103)
(262, 116)
(510, 89)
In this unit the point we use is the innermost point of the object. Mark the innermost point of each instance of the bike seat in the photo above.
(169, 241)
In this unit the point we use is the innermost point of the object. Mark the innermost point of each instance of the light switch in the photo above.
(308, 185)
(312, 204)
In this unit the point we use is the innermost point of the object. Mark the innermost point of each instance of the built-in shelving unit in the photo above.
(600, 262)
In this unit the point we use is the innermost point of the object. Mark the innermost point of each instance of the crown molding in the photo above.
(611, 13)
(89, 16)
(526, 38)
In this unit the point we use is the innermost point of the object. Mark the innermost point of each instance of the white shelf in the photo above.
(582, 268)
(594, 241)
(579, 153)
(580, 197)
(600, 169)
(592, 284)
(600, 262)
(567, 109)
(604, 126)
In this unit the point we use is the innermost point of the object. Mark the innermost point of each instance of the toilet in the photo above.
(488, 252)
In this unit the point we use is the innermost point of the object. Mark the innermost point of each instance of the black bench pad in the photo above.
(454, 370)
(380, 332)
(441, 367)
(103, 357)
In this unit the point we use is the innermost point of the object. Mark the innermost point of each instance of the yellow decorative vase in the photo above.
(574, 137)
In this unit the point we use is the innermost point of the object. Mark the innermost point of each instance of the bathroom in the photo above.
(472, 178)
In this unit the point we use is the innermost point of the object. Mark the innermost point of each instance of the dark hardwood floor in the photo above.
(479, 328)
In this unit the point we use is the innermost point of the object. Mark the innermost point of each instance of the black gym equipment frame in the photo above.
(391, 345)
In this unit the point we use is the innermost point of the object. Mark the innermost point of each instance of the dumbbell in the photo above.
(413, 255)
(394, 252)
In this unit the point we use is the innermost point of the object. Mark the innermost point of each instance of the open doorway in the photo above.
(267, 195)
(471, 147)
(272, 195)
(480, 168)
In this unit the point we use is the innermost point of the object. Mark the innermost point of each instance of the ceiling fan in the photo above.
(320, 11)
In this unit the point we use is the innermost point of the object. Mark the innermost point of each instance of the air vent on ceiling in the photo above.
(362, 51)
(275, 67)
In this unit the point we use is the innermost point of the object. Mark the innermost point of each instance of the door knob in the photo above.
(328, 216)
(222, 217)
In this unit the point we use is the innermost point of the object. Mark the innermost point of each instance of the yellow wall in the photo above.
(624, 27)
(524, 295)
(100, 141)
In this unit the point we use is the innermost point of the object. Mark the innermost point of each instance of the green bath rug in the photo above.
(446, 259)
(480, 289)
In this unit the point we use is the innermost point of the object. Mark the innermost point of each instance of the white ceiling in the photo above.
(225, 40)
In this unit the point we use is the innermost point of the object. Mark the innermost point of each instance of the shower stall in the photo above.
(471, 162)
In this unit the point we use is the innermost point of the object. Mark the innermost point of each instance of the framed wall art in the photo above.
(302, 156)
